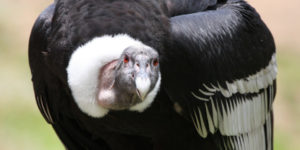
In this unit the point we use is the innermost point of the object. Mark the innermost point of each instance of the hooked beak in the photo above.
(142, 82)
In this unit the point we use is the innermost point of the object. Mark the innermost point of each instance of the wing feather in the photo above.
(52, 96)
(226, 62)
(37, 51)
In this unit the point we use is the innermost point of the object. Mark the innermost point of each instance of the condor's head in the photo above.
(113, 73)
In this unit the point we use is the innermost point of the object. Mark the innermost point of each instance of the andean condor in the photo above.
(155, 74)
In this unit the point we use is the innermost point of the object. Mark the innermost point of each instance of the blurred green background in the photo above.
(22, 126)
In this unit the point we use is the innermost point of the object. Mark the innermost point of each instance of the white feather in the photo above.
(251, 84)
(206, 93)
(210, 121)
(214, 113)
(198, 97)
(246, 115)
(224, 120)
(209, 89)
(203, 128)
(197, 124)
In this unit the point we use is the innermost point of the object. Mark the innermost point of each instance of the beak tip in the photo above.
(141, 96)
(142, 87)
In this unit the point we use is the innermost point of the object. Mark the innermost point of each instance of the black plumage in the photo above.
(217, 64)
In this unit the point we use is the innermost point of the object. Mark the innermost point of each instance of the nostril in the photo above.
(138, 65)
(147, 65)
(132, 75)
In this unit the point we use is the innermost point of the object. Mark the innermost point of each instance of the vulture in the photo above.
(155, 74)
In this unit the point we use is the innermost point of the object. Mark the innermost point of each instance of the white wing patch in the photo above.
(233, 116)
(197, 118)
(251, 84)
(255, 140)
(239, 114)
(243, 116)
(258, 139)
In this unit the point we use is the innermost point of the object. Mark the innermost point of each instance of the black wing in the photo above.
(52, 95)
(179, 7)
(37, 54)
(221, 69)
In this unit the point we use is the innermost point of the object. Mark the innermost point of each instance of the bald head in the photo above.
(113, 73)
(134, 76)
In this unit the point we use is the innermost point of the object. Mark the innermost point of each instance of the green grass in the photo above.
(24, 128)
(288, 133)
(281, 141)
(21, 125)
(289, 74)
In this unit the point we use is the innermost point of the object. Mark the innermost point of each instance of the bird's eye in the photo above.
(126, 59)
(155, 62)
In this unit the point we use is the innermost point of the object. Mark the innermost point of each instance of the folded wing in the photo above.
(221, 69)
